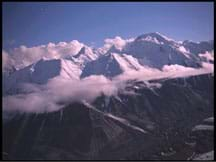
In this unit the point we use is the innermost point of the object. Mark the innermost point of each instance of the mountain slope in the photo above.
(145, 119)
(40, 73)
(85, 55)
(200, 47)
(83, 131)
(110, 65)
(156, 50)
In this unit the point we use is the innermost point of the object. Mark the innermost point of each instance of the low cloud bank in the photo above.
(58, 91)
(50, 97)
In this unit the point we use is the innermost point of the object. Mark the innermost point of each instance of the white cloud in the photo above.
(208, 56)
(85, 89)
(208, 66)
(174, 71)
(118, 42)
(24, 56)
(45, 98)
(176, 68)
(7, 61)
(145, 73)
(168, 71)
(33, 102)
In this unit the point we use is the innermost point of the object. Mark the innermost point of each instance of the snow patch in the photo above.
(211, 119)
(203, 127)
(205, 156)
(208, 56)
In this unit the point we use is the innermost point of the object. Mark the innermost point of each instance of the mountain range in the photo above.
(138, 99)
(152, 50)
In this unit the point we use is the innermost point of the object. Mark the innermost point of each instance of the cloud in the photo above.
(7, 61)
(176, 68)
(58, 92)
(34, 102)
(86, 89)
(145, 73)
(24, 56)
(118, 42)
(207, 56)
(51, 96)
(168, 71)
(208, 66)
(48, 97)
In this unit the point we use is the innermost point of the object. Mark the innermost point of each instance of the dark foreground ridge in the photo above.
(166, 116)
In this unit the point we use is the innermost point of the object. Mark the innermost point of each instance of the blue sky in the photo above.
(38, 23)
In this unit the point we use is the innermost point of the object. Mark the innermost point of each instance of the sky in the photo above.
(37, 23)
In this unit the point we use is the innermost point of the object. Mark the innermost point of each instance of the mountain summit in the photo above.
(152, 50)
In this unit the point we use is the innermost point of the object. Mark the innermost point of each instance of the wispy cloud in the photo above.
(46, 98)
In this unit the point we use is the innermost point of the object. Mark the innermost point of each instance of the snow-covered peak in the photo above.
(85, 54)
(105, 65)
(155, 37)
(84, 50)
(110, 65)
(165, 37)
(127, 62)
(156, 50)
(41, 72)
(198, 47)
(113, 49)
